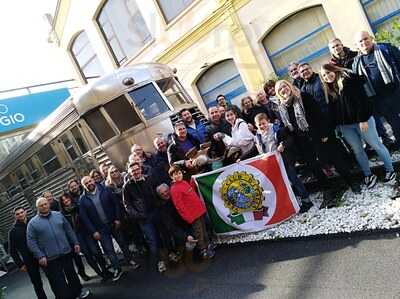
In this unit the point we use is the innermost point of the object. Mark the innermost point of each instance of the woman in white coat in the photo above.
(241, 136)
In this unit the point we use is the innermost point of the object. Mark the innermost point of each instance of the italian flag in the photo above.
(248, 196)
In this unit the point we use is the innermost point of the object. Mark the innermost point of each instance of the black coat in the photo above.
(299, 82)
(88, 213)
(318, 114)
(346, 61)
(140, 198)
(217, 148)
(161, 167)
(284, 136)
(352, 105)
(321, 121)
(251, 114)
(18, 247)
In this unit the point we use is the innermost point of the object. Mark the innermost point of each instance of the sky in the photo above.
(26, 58)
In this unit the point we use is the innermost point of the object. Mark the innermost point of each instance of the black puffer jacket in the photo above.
(352, 105)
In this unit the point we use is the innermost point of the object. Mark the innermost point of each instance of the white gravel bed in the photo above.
(371, 210)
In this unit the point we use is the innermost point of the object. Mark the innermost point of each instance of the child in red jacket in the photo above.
(191, 208)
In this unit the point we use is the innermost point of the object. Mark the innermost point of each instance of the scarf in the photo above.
(71, 212)
(384, 68)
(299, 113)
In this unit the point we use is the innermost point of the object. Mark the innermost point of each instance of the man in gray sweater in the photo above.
(51, 238)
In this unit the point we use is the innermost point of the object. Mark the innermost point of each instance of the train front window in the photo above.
(99, 125)
(149, 101)
(79, 140)
(21, 178)
(122, 113)
(69, 147)
(49, 159)
(34, 172)
(172, 91)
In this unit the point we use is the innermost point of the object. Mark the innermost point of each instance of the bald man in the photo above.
(51, 240)
(379, 63)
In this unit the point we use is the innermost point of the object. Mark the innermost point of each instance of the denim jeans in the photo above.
(91, 250)
(297, 184)
(122, 243)
(151, 236)
(388, 106)
(354, 137)
(108, 247)
(380, 128)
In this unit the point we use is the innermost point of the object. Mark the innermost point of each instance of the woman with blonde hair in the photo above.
(352, 112)
(114, 180)
(314, 134)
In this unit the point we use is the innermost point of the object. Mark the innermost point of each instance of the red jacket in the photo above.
(188, 204)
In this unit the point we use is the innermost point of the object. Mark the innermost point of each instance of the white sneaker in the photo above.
(161, 267)
(117, 275)
(84, 293)
(370, 181)
(134, 264)
(390, 177)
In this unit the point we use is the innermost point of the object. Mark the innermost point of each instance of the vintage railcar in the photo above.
(96, 125)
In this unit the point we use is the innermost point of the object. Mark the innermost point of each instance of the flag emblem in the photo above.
(241, 192)
(252, 195)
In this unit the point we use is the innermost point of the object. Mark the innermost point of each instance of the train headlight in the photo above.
(128, 81)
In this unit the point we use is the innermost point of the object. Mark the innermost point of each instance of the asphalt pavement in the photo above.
(340, 267)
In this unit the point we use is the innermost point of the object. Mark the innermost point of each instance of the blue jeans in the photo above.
(297, 184)
(108, 247)
(353, 135)
(151, 236)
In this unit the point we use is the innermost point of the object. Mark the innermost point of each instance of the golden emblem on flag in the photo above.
(241, 192)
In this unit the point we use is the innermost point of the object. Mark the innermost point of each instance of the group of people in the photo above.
(313, 119)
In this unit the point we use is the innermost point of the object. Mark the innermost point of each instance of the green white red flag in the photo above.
(248, 196)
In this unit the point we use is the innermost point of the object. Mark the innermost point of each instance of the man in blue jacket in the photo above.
(194, 127)
(379, 63)
(100, 214)
(50, 238)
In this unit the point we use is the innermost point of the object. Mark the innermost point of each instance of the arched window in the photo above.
(381, 13)
(302, 37)
(123, 28)
(221, 78)
(171, 9)
(85, 57)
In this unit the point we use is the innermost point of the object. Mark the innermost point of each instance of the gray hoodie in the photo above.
(50, 236)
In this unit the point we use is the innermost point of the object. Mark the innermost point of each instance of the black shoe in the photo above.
(207, 254)
(305, 206)
(106, 275)
(388, 142)
(356, 188)
(85, 277)
(117, 275)
(329, 200)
